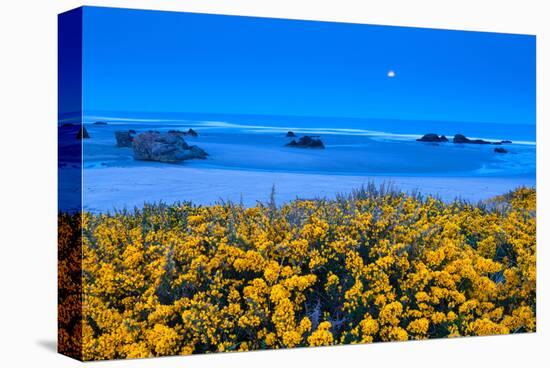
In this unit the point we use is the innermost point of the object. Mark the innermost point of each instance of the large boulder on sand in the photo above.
(124, 138)
(164, 147)
(195, 152)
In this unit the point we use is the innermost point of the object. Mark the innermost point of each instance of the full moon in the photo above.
(391, 74)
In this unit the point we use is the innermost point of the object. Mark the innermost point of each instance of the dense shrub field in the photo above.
(377, 265)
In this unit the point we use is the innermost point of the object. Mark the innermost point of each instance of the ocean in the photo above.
(248, 157)
(353, 146)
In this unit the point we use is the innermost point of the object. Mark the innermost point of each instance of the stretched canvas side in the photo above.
(71, 132)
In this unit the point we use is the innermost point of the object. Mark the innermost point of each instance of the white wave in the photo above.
(90, 119)
(335, 131)
(271, 129)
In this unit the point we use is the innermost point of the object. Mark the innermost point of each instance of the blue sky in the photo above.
(154, 61)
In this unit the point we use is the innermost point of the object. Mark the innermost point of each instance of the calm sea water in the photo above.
(353, 146)
(518, 132)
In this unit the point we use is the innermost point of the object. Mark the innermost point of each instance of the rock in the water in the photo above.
(82, 133)
(459, 138)
(164, 147)
(192, 133)
(432, 138)
(506, 142)
(176, 131)
(307, 142)
(100, 123)
(132, 131)
(124, 138)
(479, 141)
(290, 134)
(500, 150)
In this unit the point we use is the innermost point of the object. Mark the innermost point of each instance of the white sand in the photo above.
(117, 188)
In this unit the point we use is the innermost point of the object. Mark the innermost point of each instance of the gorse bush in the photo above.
(377, 265)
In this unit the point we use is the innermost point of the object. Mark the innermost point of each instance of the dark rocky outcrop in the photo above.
(124, 138)
(307, 142)
(195, 152)
(176, 131)
(432, 138)
(164, 147)
(190, 132)
(502, 142)
(479, 141)
(82, 133)
(460, 138)
(500, 150)
(100, 123)
(290, 134)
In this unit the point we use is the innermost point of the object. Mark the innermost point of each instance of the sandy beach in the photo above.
(111, 188)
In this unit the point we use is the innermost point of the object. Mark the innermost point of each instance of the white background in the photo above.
(28, 101)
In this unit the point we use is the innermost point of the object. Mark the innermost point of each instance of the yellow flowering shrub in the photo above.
(322, 336)
(374, 266)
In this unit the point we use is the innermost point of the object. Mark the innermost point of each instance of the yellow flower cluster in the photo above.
(374, 266)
